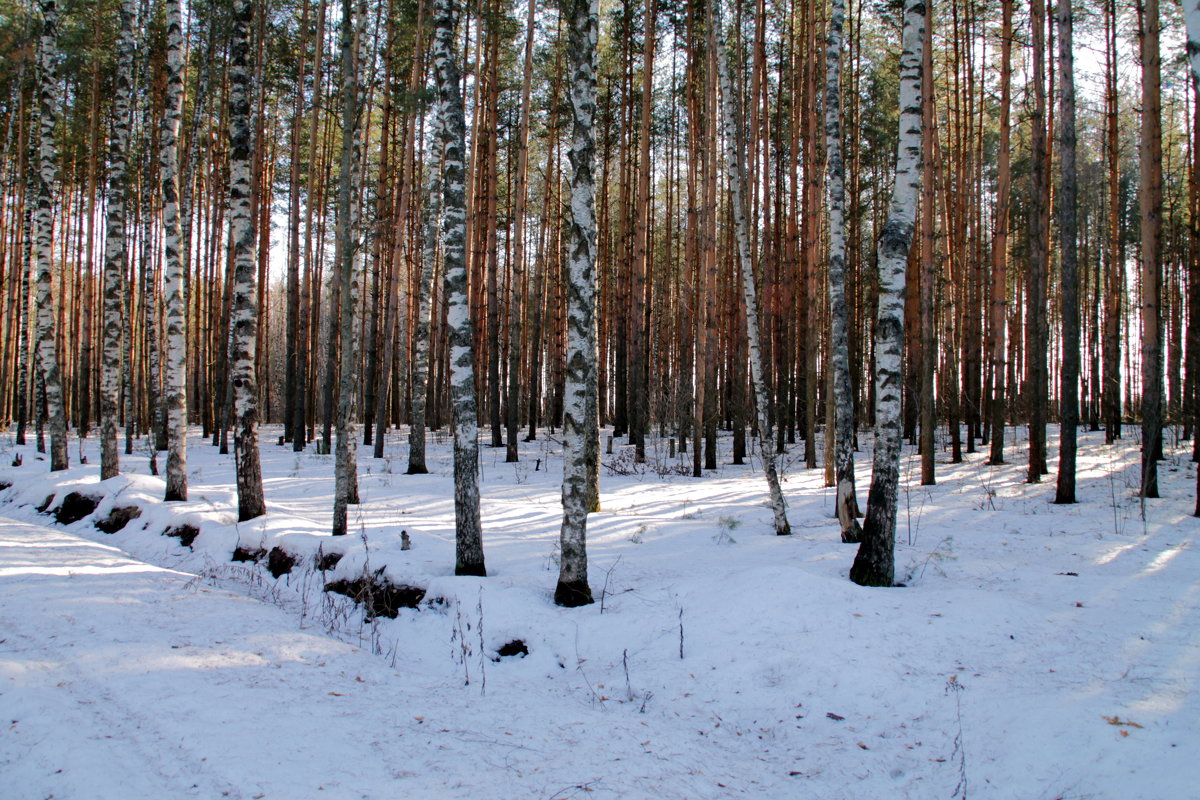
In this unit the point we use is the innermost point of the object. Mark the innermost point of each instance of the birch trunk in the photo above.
(346, 256)
(430, 213)
(1069, 259)
(175, 389)
(46, 351)
(737, 188)
(579, 399)
(115, 251)
(468, 532)
(843, 393)
(874, 564)
(243, 318)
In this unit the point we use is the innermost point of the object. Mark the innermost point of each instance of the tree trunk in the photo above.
(43, 236)
(1150, 205)
(1036, 394)
(243, 318)
(173, 268)
(736, 176)
(468, 532)
(999, 319)
(1069, 259)
(347, 245)
(579, 395)
(115, 251)
(874, 564)
(843, 393)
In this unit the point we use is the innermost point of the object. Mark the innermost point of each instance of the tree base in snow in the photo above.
(573, 594)
(418, 470)
(476, 570)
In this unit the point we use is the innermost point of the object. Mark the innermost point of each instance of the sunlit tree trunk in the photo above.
(173, 267)
(243, 317)
(468, 531)
(115, 251)
(874, 564)
(737, 187)
(843, 393)
(579, 402)
(46, 363)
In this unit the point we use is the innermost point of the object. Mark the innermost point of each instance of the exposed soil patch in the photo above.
(186, 534)
(514, 648)
(327, 561)
(381, 597)
(4, 485)
(45, 504)
(118, 518)
(75, 506)
(280, 562)
(246, 554)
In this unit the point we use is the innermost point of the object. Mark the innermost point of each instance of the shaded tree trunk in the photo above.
(1069, 263)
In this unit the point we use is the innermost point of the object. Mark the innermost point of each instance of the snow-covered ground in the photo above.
(1036, 651)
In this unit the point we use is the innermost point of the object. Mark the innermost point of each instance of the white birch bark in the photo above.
(468, 532)
(737, 188)
(579, 400)
(115, 250)
(843, 429)
(46, 353)
(346, 258)
(430, 215)
(874, 564)
(175, 389)
(243, 317)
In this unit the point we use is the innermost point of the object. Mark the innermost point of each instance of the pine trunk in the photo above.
(1069, 259)
(998, 320)
(1150, 207)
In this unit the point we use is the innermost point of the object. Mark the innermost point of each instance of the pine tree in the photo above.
(1068, 228)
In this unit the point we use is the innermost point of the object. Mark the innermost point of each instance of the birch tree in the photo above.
(468, 532)
(346, 255)
(46, 350)
(430, 214)
(843, 394)
(737, 187)
(874, 564)
(243, 316)
(115, 253)
(579, 402)
(175, 389)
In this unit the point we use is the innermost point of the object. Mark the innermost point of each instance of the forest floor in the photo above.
(1035, 651)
